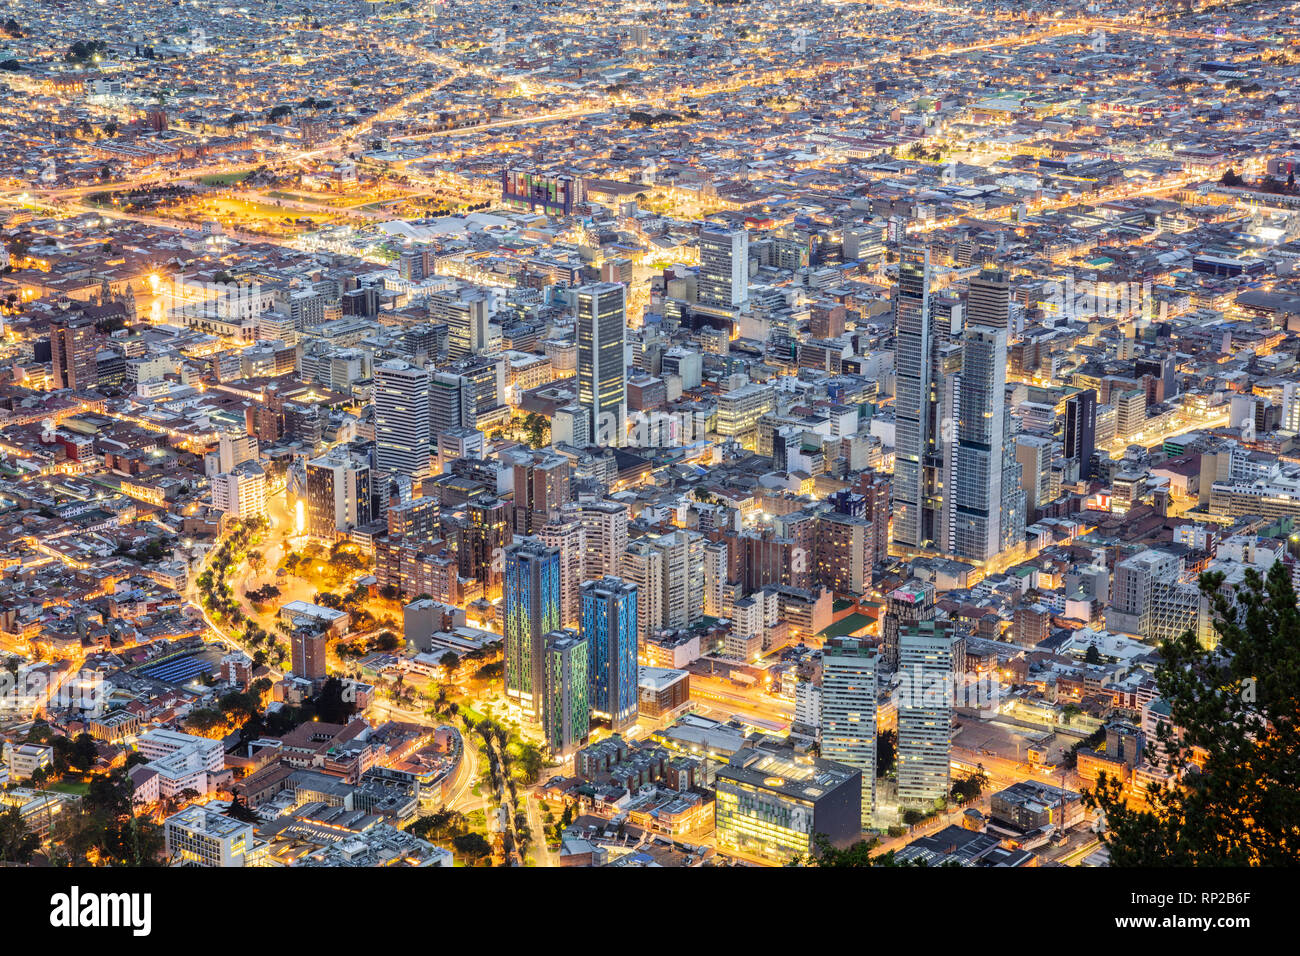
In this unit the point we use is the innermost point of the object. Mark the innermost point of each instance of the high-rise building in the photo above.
(307, 652)
(567, 535)
(566, 708)
(1034, 453)
(532, 611)
(844, 552)
(240, 492)
(541, 483)
(928, 654)
(485, 535)
(609, 615)
(988, 302)
(451, 403)
(913, 378)
(602, 359)
(338, 495)
(73, 352)
(401, 400)
(724, 267)
(1081, 430)
(848, 733)
(465, 313)
(976, 490)
(604, 524)
(904, 607)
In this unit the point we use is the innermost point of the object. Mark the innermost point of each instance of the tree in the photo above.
(970, 786)
(471, 846)
(859, 854)
(17, 843)
(1092, 656)
(1234, 710)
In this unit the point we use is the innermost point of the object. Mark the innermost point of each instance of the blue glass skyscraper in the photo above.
(532, 610)
(609, 628)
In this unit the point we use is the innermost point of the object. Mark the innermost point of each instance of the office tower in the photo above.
(486, 377)
(416, 518)
(465, 313)
(338, 495)
(566, 711)
(609, 624)
(541, 484)
(724, 267)
(532, 610)
(905, 606)
(240, 492)
(485, 535)
(401, 400)
(843, 552)
(715, 576)
(605, 526)
(912, 394)
(1034, 453)
(73, 352)
(567, 535)
(669, 571)
(643, 565)
(988, 302)
(602, 360)
(848, 733)
(740, 409)
(976, 483)
(928, 654)
(1013, 494)
(307, 653)
(877, 490)
(1081, 430)
(451, 403)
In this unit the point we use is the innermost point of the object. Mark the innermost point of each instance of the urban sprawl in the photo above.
(673, 433)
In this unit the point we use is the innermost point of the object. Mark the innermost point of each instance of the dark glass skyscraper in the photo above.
(609, 619)
(602, 364)
(1081, 429)
(912, 378)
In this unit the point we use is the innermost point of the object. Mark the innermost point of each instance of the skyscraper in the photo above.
(566, 708)
(912, 389)
(566, 533)
(976, 492)
(465, 313)
(451, 403)
(338, 495)
(988, 303)
(904, 606)
(602, 359)
(541, 484)
(928, 653)
(72, 352)
(401, 401)
(724, 267)
(307, 653)
(1081, 429)
(848, 733)
(532, 611)
(609, 615)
